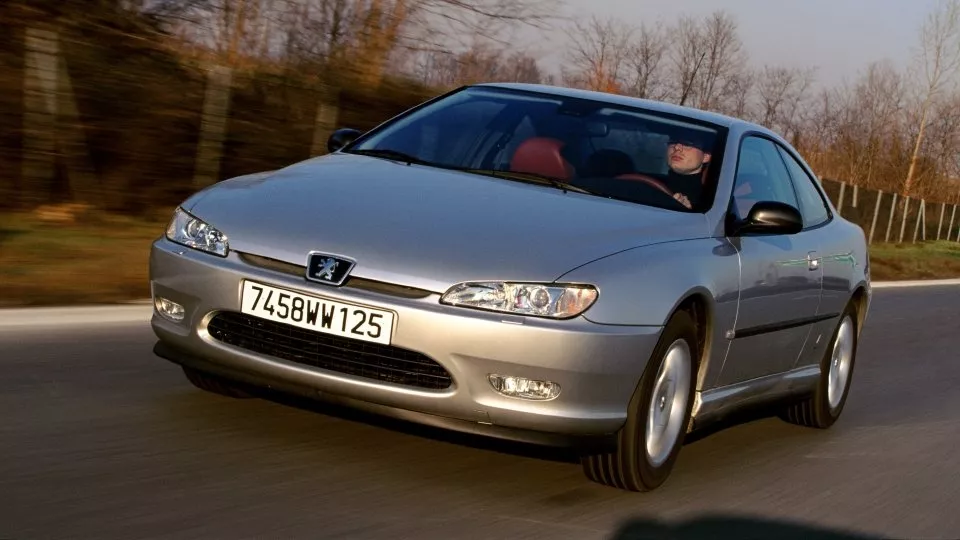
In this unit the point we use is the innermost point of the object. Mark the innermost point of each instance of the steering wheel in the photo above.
(653, 183)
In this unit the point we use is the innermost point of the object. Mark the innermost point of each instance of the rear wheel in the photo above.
(650, 441)
(214, 384)
(823, 408)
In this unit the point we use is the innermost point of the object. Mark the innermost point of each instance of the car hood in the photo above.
(426, 227)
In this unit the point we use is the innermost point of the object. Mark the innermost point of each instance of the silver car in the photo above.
(532, 263)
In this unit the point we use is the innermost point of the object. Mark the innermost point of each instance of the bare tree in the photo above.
(363, 35)
(878, 102)
(944, 141)
(438, 69)
(523, 68)
(688, 55)
(377, 33)
(781, 92)
(737, 91)
(723, 58)
(646, 64)
(481, 63)
(440, 26)
(822, 129)
(486, 18)
(850, 139)
(939, 59)
(318, 31)
(598, 54)
(234, 29)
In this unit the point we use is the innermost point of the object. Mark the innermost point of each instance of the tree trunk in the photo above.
(916, 149)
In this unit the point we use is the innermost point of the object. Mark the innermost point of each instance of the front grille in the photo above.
(352, 282)
(334, 353)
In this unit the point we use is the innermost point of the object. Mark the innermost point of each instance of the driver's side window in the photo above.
(761, 176)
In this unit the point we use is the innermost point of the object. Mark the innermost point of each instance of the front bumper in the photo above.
(597, 366)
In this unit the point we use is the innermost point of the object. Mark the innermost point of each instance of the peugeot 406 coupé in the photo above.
(534, 263)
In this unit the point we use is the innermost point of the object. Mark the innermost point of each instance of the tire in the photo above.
(214, 384)
(630, 466)
(823, 408)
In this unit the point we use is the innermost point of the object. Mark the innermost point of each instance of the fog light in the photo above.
(168, 309)
(524, 388)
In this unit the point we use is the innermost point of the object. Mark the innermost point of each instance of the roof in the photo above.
(618, 99)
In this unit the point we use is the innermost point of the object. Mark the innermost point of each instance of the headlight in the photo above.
(193, 232)
(556, 301)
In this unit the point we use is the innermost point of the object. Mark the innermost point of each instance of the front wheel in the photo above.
(650, 441)
(823, 408)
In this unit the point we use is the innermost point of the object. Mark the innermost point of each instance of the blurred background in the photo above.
(113, 111)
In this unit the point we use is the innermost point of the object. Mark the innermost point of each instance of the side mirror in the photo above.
(341, 137)
(769, 217)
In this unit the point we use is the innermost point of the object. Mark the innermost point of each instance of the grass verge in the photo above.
(99, 259)
(930, 260)
(94, 260)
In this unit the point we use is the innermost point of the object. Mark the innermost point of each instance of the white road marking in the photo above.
(74, 316)
(914, 283)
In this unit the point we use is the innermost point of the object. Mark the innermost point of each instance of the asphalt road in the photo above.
(100, 439)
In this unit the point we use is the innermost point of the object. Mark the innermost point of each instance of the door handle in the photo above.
(813, 262)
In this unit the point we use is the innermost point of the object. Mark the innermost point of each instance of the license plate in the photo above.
(318, 314)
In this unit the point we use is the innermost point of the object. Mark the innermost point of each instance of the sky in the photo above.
(841, 37)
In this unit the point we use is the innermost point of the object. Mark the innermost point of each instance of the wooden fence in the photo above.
(889, 218)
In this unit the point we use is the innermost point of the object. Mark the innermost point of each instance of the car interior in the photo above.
(616, 154)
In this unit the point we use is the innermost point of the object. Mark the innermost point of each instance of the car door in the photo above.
(780, 277)
(835, 256)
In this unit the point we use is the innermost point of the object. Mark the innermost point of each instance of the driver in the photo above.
(688, 156)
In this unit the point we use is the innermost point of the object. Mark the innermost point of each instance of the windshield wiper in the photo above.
(537, 178)
(391, 154)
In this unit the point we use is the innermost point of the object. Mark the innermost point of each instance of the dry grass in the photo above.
(68, 255)
(49, 259)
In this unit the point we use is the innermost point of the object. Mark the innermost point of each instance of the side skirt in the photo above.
(712, 405)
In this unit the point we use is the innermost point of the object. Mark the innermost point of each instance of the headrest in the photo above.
(541, 155)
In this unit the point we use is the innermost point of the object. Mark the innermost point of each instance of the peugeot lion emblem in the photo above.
(328, 269)
(327, 266)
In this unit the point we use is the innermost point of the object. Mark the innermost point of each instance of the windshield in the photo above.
(598, 148)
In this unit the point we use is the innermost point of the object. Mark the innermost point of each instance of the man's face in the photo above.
(686, 159)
